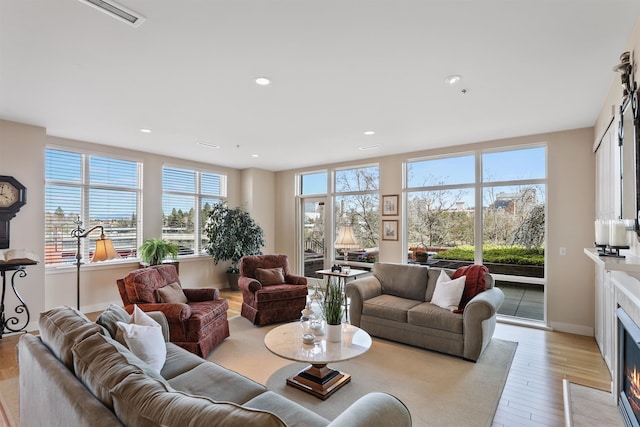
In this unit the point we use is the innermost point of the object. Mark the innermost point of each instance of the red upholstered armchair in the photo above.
(197, 323)
(270, 293)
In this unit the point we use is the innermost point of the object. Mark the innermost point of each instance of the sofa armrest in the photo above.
(248, 284)
(201, 294)
(373, 410)
(294, 279)
(359, 291)
(479, 321)
(173, 311)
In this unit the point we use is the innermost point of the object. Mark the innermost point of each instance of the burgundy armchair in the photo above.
(197, 325)
(270, 292)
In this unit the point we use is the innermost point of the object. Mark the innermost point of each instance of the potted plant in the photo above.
(232, 234)
(154, 251)
(332, 309)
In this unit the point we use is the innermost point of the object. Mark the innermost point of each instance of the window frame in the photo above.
(478, 187)
(198, 195)
(85, 187)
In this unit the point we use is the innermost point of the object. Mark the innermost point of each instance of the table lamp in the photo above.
(346, 240)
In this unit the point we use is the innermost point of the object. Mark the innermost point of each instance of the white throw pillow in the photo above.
(448, 293)
(143, 336)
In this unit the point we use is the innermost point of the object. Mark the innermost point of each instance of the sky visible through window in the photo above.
(118, 176)
(512, 165)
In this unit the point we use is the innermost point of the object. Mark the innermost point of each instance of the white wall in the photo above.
(22, 156)
(258, 198)
(570, 173)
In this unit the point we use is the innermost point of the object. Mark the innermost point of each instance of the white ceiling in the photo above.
(338, 67)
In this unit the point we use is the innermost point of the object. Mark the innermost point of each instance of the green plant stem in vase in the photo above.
(332, 303)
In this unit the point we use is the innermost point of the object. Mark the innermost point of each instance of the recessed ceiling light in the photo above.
(208, 145)
(369, 147)
(263, 81)
(453, 79)
(255, 155)
(145, 130)
(369, 132)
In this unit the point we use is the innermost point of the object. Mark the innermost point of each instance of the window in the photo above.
(457, 215)
(443, 193)
(313, 183)
(513, 206)
(187, 197)
(356, 205)
(97, 190)
(440, 204)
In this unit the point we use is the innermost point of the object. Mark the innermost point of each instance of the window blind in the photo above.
(96, 190)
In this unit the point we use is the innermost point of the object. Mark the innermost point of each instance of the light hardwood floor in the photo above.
(532, 395)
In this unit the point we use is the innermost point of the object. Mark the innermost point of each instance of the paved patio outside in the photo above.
(522, 300)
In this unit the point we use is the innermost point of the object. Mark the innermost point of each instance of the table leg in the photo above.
(319, 380)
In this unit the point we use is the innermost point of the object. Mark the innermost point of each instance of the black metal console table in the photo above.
(11, 324)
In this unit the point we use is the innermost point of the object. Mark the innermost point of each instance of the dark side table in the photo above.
(12, 324)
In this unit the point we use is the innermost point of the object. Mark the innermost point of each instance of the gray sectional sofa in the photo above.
(76, 374)
(394, 303)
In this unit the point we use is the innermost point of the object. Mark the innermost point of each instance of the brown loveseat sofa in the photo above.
(75, 374)
(394, 303)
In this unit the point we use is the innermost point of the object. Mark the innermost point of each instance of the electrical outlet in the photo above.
(563, 251)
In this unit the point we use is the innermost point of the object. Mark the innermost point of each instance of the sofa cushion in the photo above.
(179, 361)
(144, 338)
(141, 285)
(388, 307)
(141, 401)
(270, 276)
(172, 293)
(401, 280)
(62, 327)
(101, 363)
(433, 275)
(279, 293)
(217, 383)
(448, 292)
(293, 414)
(431, 316)
(109, 317)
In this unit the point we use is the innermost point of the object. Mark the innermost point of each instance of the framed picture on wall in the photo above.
(390, 204)
(390, 229)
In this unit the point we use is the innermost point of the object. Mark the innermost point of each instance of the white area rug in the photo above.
(590, 407)
(438, 389)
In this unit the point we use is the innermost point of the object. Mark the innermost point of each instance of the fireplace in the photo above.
(629, 369)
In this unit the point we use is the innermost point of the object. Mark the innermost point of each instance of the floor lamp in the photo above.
(346, 240)
(104, 250)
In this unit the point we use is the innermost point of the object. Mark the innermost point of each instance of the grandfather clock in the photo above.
(13, 196)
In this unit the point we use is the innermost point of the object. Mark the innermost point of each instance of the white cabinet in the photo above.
(605, 315)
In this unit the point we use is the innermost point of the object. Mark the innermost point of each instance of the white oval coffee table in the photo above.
(317, 379)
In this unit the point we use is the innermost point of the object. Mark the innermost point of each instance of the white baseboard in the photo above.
(572, 328)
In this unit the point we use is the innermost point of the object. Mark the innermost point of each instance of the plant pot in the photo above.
(233, 281)
(333, 333)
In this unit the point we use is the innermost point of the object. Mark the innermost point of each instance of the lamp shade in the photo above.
(346, 239)
(104, 250)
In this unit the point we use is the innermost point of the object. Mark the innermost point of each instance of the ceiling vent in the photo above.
(117, 11)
